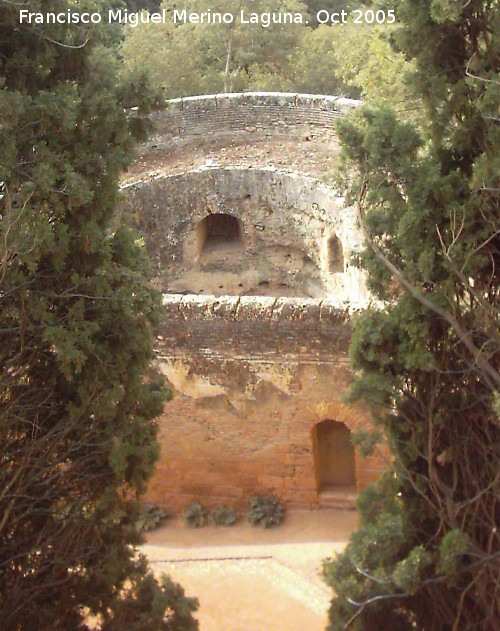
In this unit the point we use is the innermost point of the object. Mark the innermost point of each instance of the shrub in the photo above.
(150, 516)
(196, 515)
(266, 510)
(223, 516)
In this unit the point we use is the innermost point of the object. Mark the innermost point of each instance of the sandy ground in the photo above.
(251, 579)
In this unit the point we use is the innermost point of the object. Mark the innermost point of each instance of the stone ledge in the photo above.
(253, 308)
(277, 99)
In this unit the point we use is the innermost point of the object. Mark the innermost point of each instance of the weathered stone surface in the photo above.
(272, 113)
(254, 337)
(286, 221)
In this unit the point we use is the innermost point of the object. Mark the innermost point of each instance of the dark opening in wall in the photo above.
(335, 457)
(218, 232)
(335, 255)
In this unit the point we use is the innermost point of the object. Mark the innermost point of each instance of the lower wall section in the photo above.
(236, 428)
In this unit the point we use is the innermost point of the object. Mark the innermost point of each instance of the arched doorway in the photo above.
(334, 454)
(217, 232)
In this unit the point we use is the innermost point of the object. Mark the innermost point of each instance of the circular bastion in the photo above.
(251, 247)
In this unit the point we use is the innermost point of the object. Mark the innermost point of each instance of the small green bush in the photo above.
(150, 516)
(196, 515)
(266, 510)
(223, 516)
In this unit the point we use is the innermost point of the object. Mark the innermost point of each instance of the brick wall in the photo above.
(251, 377)
(251, 112)
(251, 326)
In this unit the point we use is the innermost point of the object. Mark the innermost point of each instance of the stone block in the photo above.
(228, 493)
(344, 106)
(302, 460)
(305, 482)
(293, 309)
(173, 105)
(203, 102)
(195, 489)
(226, 307)
(231, 100)
(255, 308)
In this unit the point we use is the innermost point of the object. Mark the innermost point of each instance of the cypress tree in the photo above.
(426, 555)
(77, 432)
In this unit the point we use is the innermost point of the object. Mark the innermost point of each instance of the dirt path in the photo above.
(252, 579)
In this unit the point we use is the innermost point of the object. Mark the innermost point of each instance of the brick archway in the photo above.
(366, 469)
(353, 418)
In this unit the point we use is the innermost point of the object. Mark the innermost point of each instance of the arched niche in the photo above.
(335, 255)
(218, 232)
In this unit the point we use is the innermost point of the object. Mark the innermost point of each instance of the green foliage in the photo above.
(196, 515)
(496, 403)
(409, 573)
(151, 516)
(315, 65)
(144, 606)
(266, 510)
(365, 441)
(76, 332)
(453, 545)
(223, 516)
(187, 59)
(138, 5)
(369, 67)
(427, 355)
(331, 6)
(350, 59)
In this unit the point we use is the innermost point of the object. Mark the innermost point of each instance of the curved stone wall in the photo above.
(287, 220)
(258, 113)
(253, 257)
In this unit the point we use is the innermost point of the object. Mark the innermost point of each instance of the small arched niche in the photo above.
(335, 255)
(334, 456)
(218, 232)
